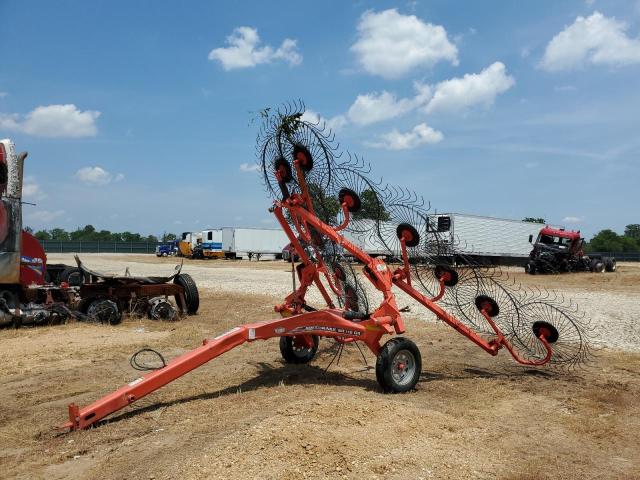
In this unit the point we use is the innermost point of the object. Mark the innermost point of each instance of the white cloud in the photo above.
(31, 189)
(97, 176)
(243, 51)
(571, 219)
(596, 40)
(333, 123)
(44, 216)
(249, 167)
(473, 89)
(390, 44)
(3, 94)
(53, 121)
(419, 135)
(375, 107)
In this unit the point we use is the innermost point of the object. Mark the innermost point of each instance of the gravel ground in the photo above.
(609, 300)
(247, 414)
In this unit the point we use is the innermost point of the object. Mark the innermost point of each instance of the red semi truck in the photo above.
(25, 297)
(34, 293)
(557, 250)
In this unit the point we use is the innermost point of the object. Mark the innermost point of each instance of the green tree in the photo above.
(629, 244)
(533, 220)
(606, 241)
(326, 208)
(86, 233)
(43, 235)
(59, 234)
(371, 207)
(131, 237)
(632, 231)
(102, 236)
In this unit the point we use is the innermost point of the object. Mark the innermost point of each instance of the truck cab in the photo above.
(189, 244)
(166, 249)
(560, 240)
(557, 250)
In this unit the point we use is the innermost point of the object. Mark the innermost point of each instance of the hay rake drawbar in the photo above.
(318, 199)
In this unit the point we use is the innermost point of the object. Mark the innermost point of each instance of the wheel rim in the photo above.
(75, 279)
(403, 367)
(104, 311)
(299, 348)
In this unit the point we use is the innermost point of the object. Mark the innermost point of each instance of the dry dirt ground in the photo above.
(249, 415)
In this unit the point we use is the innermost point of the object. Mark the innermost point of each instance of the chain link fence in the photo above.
(620, 256)
(55, 246)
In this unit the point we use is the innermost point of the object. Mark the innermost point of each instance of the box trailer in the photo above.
(368, 237)
(484, 240)
(259, 243)
(212, 243)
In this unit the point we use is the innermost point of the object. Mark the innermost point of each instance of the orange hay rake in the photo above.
(465, 297)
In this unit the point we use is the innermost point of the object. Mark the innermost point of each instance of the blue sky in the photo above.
(137, 115)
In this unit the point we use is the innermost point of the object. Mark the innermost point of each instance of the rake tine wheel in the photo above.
(329, 207)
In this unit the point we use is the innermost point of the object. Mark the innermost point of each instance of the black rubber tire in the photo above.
(385, 365)
(10, 298)
(291, 355)
(610, 264)
(191, 296)
(73, 276)
(597, 266)
(112, 320)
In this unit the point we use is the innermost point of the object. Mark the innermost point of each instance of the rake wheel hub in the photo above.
(486, 304)
(546, 330)
(350, 199)
(409, 234)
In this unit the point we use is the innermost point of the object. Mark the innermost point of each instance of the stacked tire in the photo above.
(610, 264)
(191, 297)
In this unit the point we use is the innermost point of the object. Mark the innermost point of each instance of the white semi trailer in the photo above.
(211, 244)
(258, 243)
(486, 240)
(460, 238)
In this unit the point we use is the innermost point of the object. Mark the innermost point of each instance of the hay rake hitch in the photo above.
(320, 201)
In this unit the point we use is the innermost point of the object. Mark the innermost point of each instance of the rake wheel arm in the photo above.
(327, 323)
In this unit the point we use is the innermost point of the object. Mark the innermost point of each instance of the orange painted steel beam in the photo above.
(327, 323)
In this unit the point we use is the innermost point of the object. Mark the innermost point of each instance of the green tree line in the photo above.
(604, 241)
(89, 234)
(609, 241)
